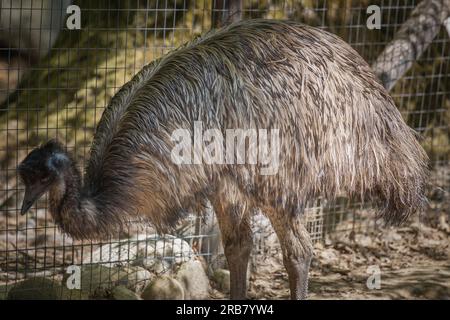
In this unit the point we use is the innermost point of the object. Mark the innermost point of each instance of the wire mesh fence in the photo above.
(56, 82)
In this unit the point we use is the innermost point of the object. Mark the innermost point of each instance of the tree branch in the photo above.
(411, 41)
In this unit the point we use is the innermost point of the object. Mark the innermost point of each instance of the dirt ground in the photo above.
(413, 263)
(429, 279)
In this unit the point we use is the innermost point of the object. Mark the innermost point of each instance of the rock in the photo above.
(164, 288)
(123, 293)
(143, 248)
(7, 276)
(97, 280)
(4, 289)
(43, 289)
(154, 265)
(135, 278)
(111, 255)
(35, 289)
(221, 277)
(176, 248)
(193, 278)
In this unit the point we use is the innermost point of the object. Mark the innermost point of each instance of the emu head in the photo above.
(41, 169)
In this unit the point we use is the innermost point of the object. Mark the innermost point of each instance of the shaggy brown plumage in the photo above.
(340, 134)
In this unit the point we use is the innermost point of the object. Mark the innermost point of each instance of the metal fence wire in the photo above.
(56, 82)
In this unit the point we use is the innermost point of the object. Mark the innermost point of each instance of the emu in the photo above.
(340, 134)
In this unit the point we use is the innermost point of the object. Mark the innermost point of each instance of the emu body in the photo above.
(340, 134)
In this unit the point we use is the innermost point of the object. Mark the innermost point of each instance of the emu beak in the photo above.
(31, 195)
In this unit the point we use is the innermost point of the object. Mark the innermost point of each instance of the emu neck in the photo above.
(71, 210)
(65, 194)
(75, 212)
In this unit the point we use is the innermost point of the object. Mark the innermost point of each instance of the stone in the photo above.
(221, 278)
(111, 255)
(135, 278)
(4, 290)
(98, 280)
(123, 293)
(39, 288)
(194, 280)
(142, 249)
(176, 248)
(35, 289)
(154, 265)
(164, 288)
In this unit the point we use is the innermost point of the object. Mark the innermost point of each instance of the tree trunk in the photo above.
(411, 41)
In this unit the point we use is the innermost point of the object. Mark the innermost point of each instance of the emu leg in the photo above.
(297, 250)
(237, 243)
